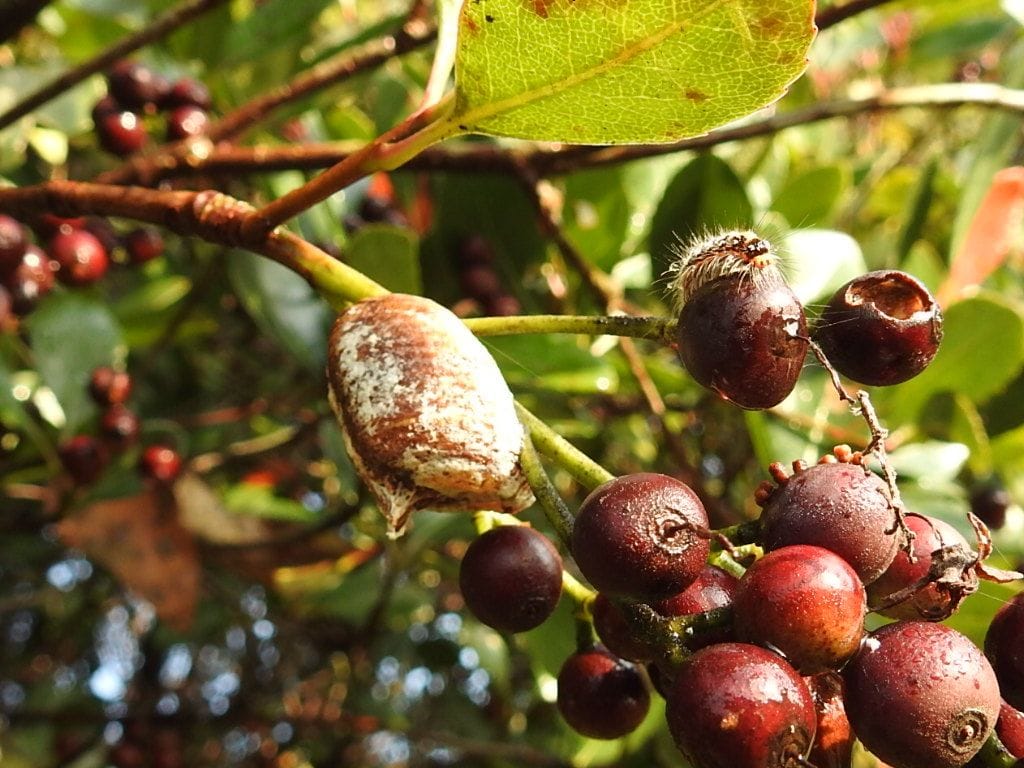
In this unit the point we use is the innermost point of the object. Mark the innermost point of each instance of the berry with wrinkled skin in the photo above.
(81, 256)
(833, 740)
(837, 506)
(1004, 646)
(881, 328)
(84, 458)
(638, 536)
(712, 589)
(160, 463)
(511, 578)
(805, 602)
(928, 602)
(734, 705)
(921, 694)
(108, 386)
(12, 244)
(744, 338)
(600, 695)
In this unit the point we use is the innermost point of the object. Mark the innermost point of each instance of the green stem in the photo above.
(743, 533)
(582, 595)
(570, 458)
(557, 512)
(727, 563)
(657, 328)
(994, 755)
(338, 283)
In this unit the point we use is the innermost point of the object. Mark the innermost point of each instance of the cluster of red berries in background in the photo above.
(766, 662)
(479, 278)
(135, 95)
(75, 252)
(86, 456)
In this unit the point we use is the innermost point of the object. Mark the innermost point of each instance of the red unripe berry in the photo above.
(187, 92)
(32, 279)
(511, 578)
(84, 458)
(712, 589)
(135, 85)
(881, 328)
(81, 256)
(640, 536)
(804, 601)
(144, 244)
(186, 122)
(119, 426)
(12, 244)
(734, 705)
(1004, 646)
(121, 133)
(921, 694)
(108, 386)
(160, 463)
(929, 602)
(1010, 729)
(600, 695)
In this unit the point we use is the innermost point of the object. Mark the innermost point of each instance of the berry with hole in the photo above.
(805, 602)
(641, 536)
(881, 328)
(601, 695)
(734, 705)
(511, 578)
(921, 694)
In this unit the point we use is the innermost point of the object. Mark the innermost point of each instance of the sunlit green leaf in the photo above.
(389, 255)
(605, 72)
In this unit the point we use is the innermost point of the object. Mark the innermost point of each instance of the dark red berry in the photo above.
(640, 536)
(511, 578)
(1010, 729)
(503, 305)
(712, 589)
(187, 92)
(135, 85)
(144, 244)
(600, 695)
(82, 258)
(374, 208)
(881, 328)
(480, 281)
(617, 633)
(989, 502)
(160, 463)
(12, 244)
(1004, 646)
(84, 458)
(734, 705)
(119, 426)
(121, 133)
(837, 506)
(32, 279)
(744, 338)
(474, 250)
(186, 122)
(6, 310)
(108, 386)
(833, 739)
(806, 602)
(929, 602)
(921, 694)
(104, 232)
(107, 105)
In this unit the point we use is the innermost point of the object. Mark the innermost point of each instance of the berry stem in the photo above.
(555, 509)
(584, 470)
(582, 595)
(657, 328)
(994, 755)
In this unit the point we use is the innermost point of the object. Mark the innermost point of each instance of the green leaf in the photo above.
(808, 199)
(819, 261)
(389, 255)
(981, 352)
(552, 362)
(705, 195)
(932, 461)
(152, 297)
(623, 72)
(272, 24)
(71, 335)
(283, 305)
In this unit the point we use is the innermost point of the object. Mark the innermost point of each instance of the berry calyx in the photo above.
(600, 695)
(81, 256)
(921, 694)
(805, 602)
(640, 536)
(734, 705)
(836, 504)
(1004, 646)
(881, 328)
(511, 578)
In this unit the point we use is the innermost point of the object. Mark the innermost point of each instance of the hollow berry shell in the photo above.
(734, 705)
(428, 420)
(881, 328)
(638, 536)
(745, 338)
(921, 694)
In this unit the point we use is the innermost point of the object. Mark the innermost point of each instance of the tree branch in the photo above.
(828, 17)
(170, 21)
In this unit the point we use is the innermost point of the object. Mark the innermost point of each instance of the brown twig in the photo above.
(829, 17)
(170, 21)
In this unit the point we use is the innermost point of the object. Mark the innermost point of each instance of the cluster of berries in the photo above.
(135, 92)
(480, 281)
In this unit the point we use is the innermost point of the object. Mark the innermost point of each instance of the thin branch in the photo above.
(170, 21)
(829, 17)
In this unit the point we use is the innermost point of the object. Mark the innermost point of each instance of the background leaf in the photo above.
(605, 72)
